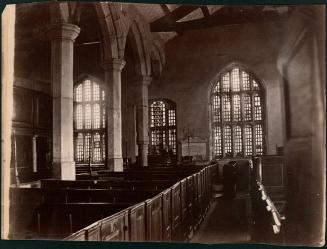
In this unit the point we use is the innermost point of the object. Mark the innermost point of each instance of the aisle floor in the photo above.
(222, 224)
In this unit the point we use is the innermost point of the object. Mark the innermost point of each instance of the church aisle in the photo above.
(222, 225)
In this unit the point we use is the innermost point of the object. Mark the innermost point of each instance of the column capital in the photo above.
(142, 80)
(62, 31)
(113, 64)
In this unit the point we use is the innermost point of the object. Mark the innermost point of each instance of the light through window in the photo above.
(89, 123)
(162, 126)
(237, 117)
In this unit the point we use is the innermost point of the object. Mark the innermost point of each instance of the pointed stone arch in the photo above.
(112, 30)
(65, 12)
(140, 47)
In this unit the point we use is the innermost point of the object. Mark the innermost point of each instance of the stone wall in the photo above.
(302, 64)
(196, 57)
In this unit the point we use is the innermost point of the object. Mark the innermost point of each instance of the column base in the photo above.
(64, 170)
(115, 164)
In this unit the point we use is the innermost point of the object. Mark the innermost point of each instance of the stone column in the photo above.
(142, 114)
(62, 36)
(113, 70)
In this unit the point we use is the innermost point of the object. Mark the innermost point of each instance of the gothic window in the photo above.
(89, 123)
(237, 116)
(162, 126)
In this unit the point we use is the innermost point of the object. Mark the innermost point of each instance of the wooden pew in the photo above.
(115, 227)
(137, 222)
(57, 220)
(167, 215)
(190, 190)
(184, 211)
(154, 218)
(85, 195)
(196, 219)
(107, 184)
(176, 212)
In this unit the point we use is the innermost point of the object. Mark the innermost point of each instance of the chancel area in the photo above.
(164, 122)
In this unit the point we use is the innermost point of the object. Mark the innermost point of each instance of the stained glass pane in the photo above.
(158, 114)
(88, 117)
(226, 82)
(79, 147)
(228, 141)
(247, 108)
(79, 117)
(103, 116)
(103, 95)
(235, 80)
(163, 141)
(248, 140)
(255, 85)
(238, 140)
(216, 108)
(237, 108)
(226, 108)
(103, 147)
(79, 93)
(246, 81)
(217, 88)
(96, 148)
(96, 116)
(257, 107)
(87, 143)
(155, 137)
(96, 92)
(217, 149)
(258, 139)
(172, 139)
(171, 117)
(234, 114)
(87, 90)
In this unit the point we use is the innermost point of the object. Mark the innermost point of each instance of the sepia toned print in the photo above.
(163, 123)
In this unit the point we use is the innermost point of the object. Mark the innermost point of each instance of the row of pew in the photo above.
(171, 214)
(59, 208)
(267, 218)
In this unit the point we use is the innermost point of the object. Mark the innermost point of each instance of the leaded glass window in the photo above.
(257, 107)
(258, 139)
(217, 140)
(248, 140)
(237, 108)
(228, 140)
(89, 123)
(226, 108)
(216, 108)
(238, 144)
(237, 114)
(162, 126)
